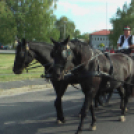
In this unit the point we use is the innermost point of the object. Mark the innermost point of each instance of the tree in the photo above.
(76, 33)
(66, 27)
(102, 45)
(32, 19)
(84, 36)
(123, 17)
(7, 24)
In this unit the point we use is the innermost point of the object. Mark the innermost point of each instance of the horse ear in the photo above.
(67, 39)
(23, 41)
(54, 42)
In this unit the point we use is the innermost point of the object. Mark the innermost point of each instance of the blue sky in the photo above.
(89, 15)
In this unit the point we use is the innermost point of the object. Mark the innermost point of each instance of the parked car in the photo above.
(5, 47)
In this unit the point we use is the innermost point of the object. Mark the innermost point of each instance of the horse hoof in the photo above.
(122, 119)
(93, 128)
(126, 109)
(60, 122)
(78, 132)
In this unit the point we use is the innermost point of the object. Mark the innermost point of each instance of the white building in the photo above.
(98, 37)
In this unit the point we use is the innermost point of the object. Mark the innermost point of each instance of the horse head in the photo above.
(22, 57)
(63, 56)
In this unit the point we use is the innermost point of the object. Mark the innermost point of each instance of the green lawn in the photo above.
(6, 73)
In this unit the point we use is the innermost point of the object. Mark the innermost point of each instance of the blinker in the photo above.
(27, 47)
(66, 53)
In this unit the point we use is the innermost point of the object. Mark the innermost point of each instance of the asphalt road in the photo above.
(22, 83)
(34, 113)
(7, 51)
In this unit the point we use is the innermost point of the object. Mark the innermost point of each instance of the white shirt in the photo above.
(125, 43)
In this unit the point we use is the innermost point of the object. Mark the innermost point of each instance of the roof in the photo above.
(101, 32)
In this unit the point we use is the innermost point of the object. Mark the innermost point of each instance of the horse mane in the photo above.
(41, 43)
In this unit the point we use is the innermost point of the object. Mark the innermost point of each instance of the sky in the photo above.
(89, 15)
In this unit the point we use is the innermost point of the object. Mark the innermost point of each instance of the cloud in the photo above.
(89, 15)
(75, 9)
(87, 7)
(99, 1)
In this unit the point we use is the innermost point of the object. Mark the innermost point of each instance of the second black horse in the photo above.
(92, 68)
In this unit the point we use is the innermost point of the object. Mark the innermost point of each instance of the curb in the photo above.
(24, 90)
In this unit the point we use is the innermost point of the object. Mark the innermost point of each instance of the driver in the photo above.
(125, 42)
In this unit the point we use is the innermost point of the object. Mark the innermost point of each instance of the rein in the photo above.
(71, 70)
(99, 73)
(29, 66)
(44, 65)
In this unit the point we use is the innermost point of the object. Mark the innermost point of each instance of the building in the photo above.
(98, 37)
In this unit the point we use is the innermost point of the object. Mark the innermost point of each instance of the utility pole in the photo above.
(106, 27)
(65, 29)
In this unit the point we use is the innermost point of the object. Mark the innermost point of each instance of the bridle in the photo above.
(25, 51)
(66, 55)
(80, 65)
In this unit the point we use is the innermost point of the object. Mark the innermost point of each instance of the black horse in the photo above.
(92, 68)
(26, 53)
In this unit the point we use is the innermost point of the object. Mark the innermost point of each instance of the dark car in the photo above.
(1, 46)
(5, 47)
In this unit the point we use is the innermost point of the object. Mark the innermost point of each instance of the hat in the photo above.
(126, 28)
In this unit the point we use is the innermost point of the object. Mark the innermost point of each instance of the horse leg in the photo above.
(121, 93)
(93, 124)
(109, 97)
(96, 100)
(60, 90)
(127, 95)
(87, 103)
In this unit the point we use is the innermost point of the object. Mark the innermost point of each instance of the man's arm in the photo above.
(132, 46)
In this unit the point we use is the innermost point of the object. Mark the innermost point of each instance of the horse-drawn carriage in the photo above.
(96, 72)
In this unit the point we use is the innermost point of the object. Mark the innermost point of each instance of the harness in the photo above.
(97, 73)
(111, 64)
(25, 54)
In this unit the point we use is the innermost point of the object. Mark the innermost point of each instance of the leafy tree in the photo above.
(123, 17)
(7, 24)
(32, 19)
(76, 33)
(66, 27)
(84, 36)
(102, 45)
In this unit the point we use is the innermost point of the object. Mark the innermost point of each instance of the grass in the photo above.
(6, 73)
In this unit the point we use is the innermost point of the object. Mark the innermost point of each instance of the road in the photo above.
(34, 113)
(7, 51)
(21, 83)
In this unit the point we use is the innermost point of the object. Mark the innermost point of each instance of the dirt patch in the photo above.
(30, 88)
